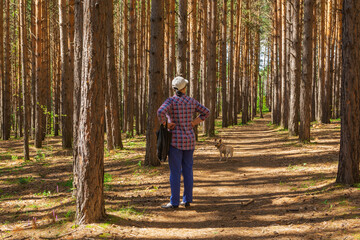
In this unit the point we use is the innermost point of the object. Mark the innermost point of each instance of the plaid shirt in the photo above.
(180, 110)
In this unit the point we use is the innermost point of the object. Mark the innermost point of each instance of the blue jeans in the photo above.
(181, 161)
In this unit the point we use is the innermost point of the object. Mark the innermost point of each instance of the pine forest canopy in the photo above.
(69, 68)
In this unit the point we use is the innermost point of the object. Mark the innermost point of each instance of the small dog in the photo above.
(223, 149)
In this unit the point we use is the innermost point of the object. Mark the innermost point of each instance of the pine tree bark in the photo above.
(1, 68)
(212, 67)
(223, 75)
(24, 62)
(294, 71)
(112, 90)
(156, 71)
(245, 100)
(283, 68)
(90, 205)
(39, 103)
(193, 53)
(305, 85)
(348, 168)
(182, 39)
(126, 66)
(7, 81)
(132, 73)
(66, 84)
(78, 43)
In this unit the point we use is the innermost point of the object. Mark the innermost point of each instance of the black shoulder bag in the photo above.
(163, 142)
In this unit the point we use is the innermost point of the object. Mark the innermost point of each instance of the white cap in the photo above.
(179, 83)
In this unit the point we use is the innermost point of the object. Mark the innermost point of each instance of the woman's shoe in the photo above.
(169, 205)
(185, 204)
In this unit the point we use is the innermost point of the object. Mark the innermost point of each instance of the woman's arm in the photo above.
(204, 113)
(161, 113)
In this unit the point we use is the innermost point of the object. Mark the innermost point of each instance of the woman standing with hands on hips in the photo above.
(178, 111)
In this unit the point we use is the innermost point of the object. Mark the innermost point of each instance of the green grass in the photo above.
(45, 193)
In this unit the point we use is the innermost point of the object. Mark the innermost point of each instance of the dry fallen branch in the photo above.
(248, 202)
(60, 236)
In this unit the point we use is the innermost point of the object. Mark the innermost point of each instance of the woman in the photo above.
(179, 111)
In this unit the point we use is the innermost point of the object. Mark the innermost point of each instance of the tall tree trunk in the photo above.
(78, 43)
(305, 85)
(283, 69)
(126, 66)
(23, 39)
(223, 75)
(294, 71)
(322, 76)
(39, 81)
(90, 206)
(66, 84)
(182, 39)
(7, 81)
(132, 73)
(245, 102)
(212, 67)
(348, 169)
(231, 65)
(1, 68)
(193, 49)
(112, 90)
(172, 46)
(156, 71)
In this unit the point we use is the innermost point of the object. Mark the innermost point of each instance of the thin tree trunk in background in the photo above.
(231, 65)
(156, 71)
(212, 66)
(193, 52)
(223, 62)
(294, 71)
(315, 82)
(283, 64)
(66, 84)
(236, 107)
(39, 128)
(112, 90)
(1, 68)
(132, 73)
(182, 39)
(245, 103)
(90, 206)
(172, 46)
(305, 85)
(24, 63)
(322, 49)
(348, 169)
(203, 70)
(78, 43)
(7, 81)
(327, 60)
(126, 66)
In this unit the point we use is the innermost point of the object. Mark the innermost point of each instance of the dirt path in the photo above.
(284, 178)
(292, 186)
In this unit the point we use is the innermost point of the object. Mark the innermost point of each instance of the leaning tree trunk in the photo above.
(25, 93)
(90, 206)
(156, 71)
(348, 169)
(305, 85)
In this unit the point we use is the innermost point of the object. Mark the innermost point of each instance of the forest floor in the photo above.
(273, 188)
